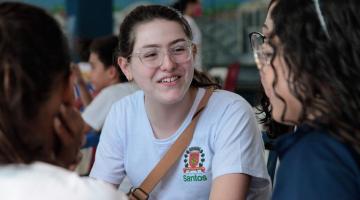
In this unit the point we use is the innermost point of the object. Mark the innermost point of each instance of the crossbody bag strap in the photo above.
(171, 156)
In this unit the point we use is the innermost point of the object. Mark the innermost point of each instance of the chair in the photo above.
(231, 77)
(89, 151)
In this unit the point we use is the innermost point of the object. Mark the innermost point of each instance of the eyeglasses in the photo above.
(263, 52)
(154, 57)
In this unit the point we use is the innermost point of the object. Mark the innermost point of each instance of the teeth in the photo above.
(170, 79)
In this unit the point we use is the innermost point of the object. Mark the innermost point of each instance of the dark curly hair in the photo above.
(33, 59)
(324, 67)
(144, 14)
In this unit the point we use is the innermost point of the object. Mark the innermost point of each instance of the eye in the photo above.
(150, 55)
(268, 55)
(178, 49)
(268, 51)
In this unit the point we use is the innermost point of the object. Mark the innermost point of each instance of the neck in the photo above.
(166, 119)
(114, 81)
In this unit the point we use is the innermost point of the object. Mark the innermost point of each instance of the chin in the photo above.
(172, 100)
(172, 97)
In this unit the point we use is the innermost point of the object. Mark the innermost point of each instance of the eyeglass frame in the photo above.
(189, 46)
(263, 37)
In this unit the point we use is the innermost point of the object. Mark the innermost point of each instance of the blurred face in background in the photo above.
(100, 76)
(197, 9)
(194, 9)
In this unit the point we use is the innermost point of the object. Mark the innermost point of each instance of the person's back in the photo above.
(320, 161)
(40, 132)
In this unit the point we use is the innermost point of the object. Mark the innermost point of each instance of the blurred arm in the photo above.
(230, 187)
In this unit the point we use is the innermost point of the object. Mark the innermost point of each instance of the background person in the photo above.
(110, 83)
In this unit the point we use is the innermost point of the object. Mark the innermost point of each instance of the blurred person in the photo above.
(192, 9)
(109, 82)
(84, 91)
(40, 131)
(156, 52)
(313, 82)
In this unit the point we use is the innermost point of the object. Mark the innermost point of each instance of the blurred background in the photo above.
(224, 24)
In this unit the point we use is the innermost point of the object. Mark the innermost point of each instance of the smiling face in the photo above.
(282, 101)
(169, 82)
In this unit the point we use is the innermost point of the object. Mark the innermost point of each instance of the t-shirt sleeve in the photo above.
(109, 159)
(238, 144)
(318, 168)
(95, 113)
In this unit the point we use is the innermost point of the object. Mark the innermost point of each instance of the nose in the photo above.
(167, 63)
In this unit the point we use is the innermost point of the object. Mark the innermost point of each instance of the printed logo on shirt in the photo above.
(194, 170)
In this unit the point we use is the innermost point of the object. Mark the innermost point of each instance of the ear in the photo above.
(125, 68)
(112, 72)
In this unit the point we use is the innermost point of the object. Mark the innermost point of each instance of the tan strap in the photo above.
(172, 155)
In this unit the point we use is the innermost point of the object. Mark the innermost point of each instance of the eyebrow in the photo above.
(156, 45)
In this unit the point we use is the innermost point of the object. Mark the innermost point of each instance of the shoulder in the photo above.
(129, 104)
(316, 144)
(122, 89)
(229, 112)
(225, 100)
(315, 159)
(132, 99)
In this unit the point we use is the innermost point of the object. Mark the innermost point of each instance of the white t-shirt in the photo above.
(226, 140)
(41, 181)
(94, 114)
(197, 40)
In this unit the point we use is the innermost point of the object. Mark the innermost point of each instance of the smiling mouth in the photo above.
(169, 79)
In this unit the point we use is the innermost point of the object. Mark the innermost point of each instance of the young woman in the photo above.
(308, 57)
(40, 132)
(225, 157)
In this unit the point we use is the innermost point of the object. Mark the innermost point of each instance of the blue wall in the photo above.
(54, 5)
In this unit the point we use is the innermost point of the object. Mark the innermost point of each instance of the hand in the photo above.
(69, 130)
(77, 76)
